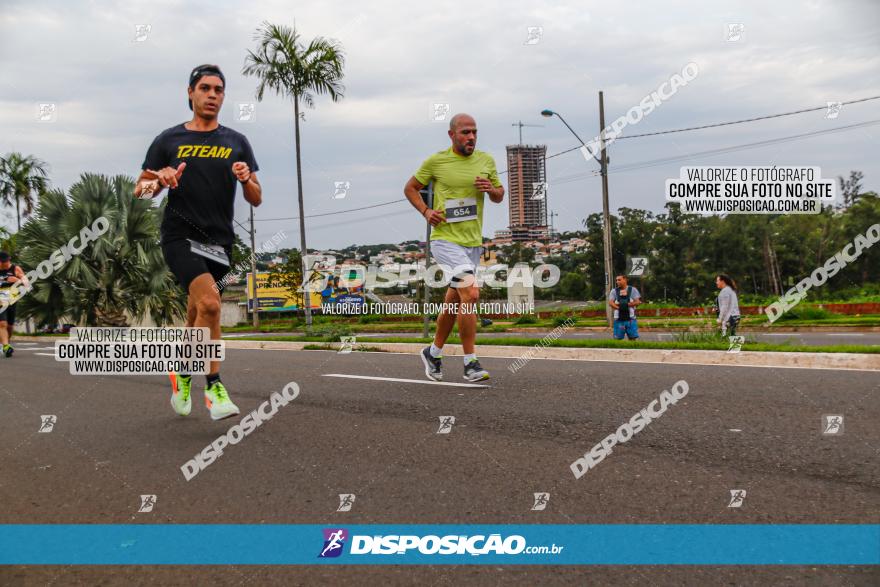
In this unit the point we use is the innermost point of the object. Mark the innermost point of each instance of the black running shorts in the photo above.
(8, 315)
(186, 265)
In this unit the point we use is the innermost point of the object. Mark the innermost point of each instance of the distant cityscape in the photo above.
(527, 200)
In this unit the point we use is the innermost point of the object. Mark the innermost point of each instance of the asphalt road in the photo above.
(748, 428)
(796, 338)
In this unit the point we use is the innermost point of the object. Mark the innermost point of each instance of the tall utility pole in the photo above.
(552, 215)
(256, 308)
(606, 216)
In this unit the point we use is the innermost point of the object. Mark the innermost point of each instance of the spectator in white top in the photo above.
(728, 305)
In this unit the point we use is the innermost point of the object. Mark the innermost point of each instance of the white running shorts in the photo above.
(454, 259)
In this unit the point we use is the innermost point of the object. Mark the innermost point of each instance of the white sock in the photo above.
(435, 351)
(469, 358)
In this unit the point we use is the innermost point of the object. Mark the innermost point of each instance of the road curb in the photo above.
(861, 362)
(792, 360)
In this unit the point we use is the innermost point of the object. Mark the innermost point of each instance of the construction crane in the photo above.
(520, 124)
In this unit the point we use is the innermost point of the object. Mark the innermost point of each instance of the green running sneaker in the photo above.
(217, 400)
(8, 350)
(180, 388)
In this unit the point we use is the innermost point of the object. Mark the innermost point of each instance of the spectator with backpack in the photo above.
(624, 299)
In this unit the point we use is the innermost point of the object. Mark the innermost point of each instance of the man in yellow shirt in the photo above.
(462, 177)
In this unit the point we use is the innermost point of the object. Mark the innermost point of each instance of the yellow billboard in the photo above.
(275, 299)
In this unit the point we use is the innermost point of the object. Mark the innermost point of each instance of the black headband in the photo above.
(204, 70)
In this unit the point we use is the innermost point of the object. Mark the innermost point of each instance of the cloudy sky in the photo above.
(113, 94)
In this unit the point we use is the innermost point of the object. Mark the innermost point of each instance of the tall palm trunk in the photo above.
(307, 297)
(108, 316)
(17, 212)
(771, 266)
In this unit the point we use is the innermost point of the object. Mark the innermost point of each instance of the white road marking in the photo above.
(39, 348)
(403, 380)
(844, 334)
(45, 354)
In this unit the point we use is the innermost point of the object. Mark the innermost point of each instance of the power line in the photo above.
(398, 201)
(720, 151)
(550, 156)
(756, 144)
(247, 230)
(559, 153)
(666, 132)
(717, 124)
(630, 167)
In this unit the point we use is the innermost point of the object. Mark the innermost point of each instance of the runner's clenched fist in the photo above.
(242, 171)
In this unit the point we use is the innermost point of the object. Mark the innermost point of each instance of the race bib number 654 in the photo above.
(461, 209)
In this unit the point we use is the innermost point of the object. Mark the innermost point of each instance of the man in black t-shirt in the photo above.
(10, 274)
(200, 162)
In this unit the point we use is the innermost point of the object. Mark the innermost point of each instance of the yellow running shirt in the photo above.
(454, 192)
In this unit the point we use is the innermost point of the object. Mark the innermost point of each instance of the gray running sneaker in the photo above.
(432, 365)
(473, 371)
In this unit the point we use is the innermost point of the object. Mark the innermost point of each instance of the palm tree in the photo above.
(285, 64)
(20, 178)
(119, 277)
(7, 240)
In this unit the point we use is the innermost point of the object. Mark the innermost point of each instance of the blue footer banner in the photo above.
(383, 544)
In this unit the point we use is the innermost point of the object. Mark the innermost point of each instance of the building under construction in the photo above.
(527, 189)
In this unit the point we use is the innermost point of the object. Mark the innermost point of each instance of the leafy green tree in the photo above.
(573, 286)
(851, 188)
(594, 260)
(864, 213)
(288, 274)
(516, 253)
(7, 240)
(241, 252)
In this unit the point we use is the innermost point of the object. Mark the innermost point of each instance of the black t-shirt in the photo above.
(6, 274)
(203, 204)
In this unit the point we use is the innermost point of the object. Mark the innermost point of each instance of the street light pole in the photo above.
(606, 216)
(428, 195)
(609, 277)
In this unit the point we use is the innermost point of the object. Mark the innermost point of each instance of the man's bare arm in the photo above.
(496, 194)
(253, 191)
(411, 191)
(23, 277)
